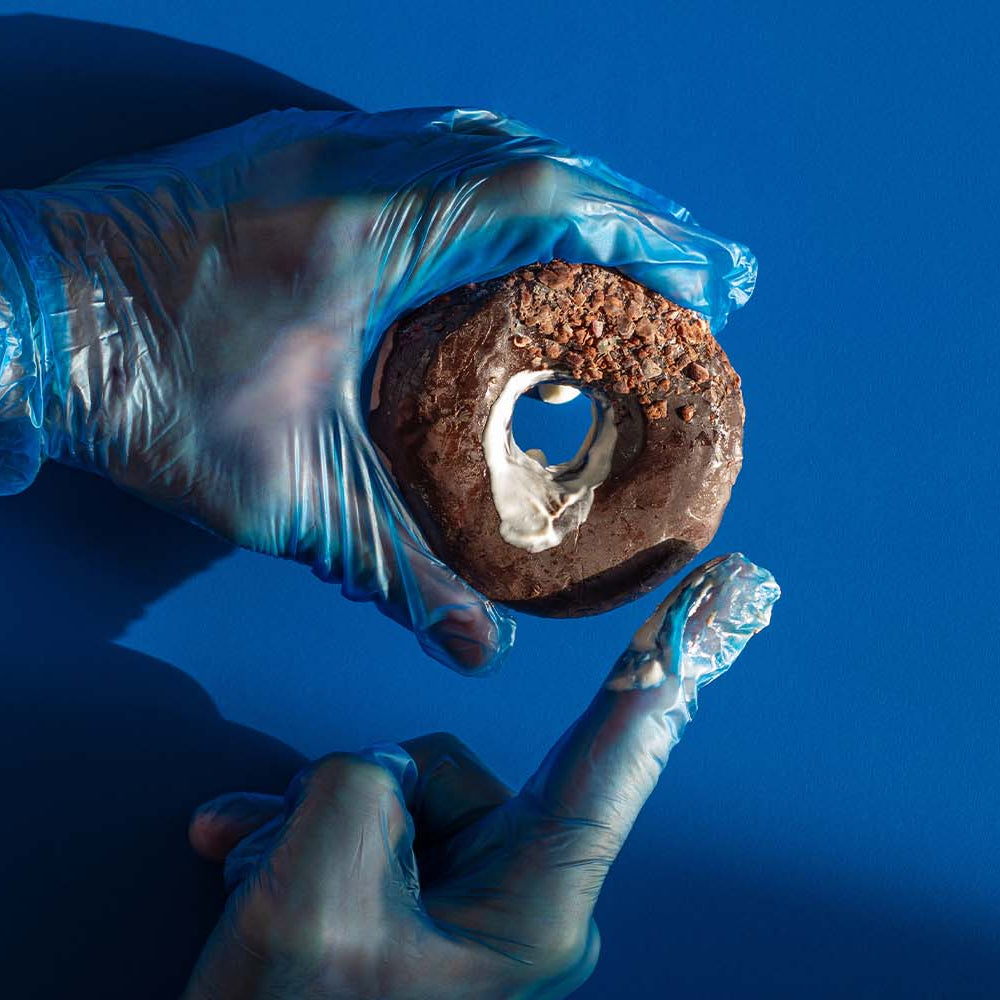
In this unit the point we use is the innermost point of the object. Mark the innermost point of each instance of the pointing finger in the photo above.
(599, 775)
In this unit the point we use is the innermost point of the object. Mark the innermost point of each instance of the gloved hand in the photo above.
(194, 322)
(412, 872)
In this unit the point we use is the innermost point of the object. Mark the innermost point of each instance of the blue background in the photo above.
(829, 825)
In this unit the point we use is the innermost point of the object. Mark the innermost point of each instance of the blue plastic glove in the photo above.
(412, 873)
(194, 322)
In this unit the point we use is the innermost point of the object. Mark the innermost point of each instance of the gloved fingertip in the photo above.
(472, 640)
(395, 759)
(216, 827)
(700, 628)
(742, 279)
(203, 837)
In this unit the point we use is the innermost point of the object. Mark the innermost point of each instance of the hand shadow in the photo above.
(107, 751)
(74, 92)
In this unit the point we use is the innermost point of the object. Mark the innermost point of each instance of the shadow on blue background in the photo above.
(106, 750)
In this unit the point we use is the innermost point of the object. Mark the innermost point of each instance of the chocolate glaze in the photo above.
(678, 412)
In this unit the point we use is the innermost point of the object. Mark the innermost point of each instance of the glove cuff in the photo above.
(25, 353)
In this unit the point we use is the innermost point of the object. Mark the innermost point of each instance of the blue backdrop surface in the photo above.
(829, 825)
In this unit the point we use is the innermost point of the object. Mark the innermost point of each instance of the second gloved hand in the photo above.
(194, 322)
(412, 873)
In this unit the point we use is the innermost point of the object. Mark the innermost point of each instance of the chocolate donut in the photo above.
(647, 489)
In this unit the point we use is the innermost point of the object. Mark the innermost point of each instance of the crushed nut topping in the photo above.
(613, 331)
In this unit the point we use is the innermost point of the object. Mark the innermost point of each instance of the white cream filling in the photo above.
(557, 392)
(539, 504)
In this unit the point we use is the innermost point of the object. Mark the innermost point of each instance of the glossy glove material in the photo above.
(25, 354)
(412, 873)
(211, 308)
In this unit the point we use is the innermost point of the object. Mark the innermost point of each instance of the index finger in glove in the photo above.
(484, 204)
(599, 775)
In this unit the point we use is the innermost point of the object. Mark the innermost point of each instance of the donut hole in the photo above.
(539, 499)
(549, 432)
